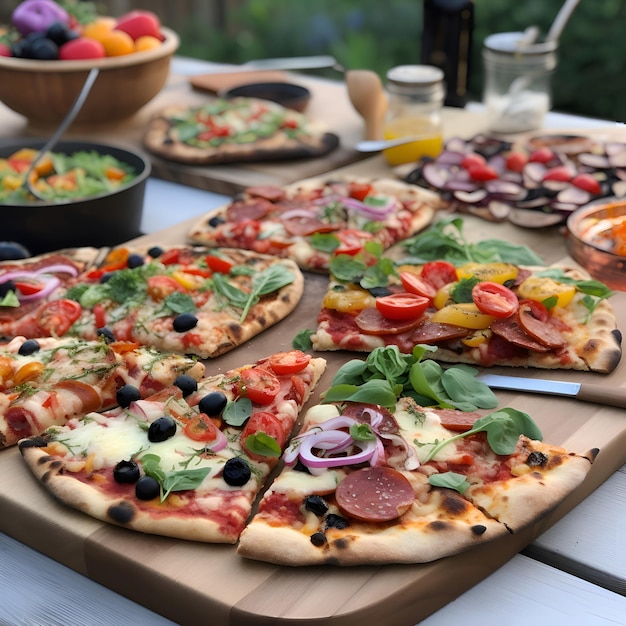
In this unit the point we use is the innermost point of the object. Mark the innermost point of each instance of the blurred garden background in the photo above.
(378, 34)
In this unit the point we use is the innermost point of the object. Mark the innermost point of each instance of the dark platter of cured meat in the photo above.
(535, 185)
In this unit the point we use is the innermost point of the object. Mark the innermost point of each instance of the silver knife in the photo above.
(291, 63)
(600, 394)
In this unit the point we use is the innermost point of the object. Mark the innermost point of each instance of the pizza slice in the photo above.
(236, 130)
(185, 463)
(46, 381)
(314, 220)
(484, 314)
(367, 483)
(182, 299)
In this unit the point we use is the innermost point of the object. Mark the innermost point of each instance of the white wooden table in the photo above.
(575, 573)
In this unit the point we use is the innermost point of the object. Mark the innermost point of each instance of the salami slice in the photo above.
(304, 226)
(375, 494)
(252, 209)
(544, 332)
(456, 420)
(273, 193)
(434, 332)
(509, 329)
(371, 322)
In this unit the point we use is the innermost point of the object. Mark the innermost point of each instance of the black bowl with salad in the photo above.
(94, 194)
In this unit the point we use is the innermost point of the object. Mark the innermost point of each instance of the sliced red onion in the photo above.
(450, 157)
(472, 197)
(371, 211)
(504, 190)
(146, 409)
(529, 218)
(619, 188)
(366, 451)
(573, 195)
(60, 268)
(219, 443)
(614, 147)
(533, 174)
(291, 214)
(597, 161)
(620, 172)
(436, 175)
(500, 210)
(563, 207)
(51, 283)
(618, 159)
(456, 144)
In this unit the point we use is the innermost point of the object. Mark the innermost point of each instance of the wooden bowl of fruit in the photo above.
(46, 55)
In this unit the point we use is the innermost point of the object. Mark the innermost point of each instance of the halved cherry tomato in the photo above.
(559, 173)
(201, 428)
(494, 299)
(159, 287)
(56, 317)
(359, 191)
(28, 288)
(414, 283)
(586, 182)
(515, 161)
(402, 306)
(537, 310)
(439, 273)
(170, 256)
(352, 241)
(264, 422)
(473, 160)
(259, 385)
(289, 362)
(541, 155)
(100, 315)
(218, 264)
(482, 172)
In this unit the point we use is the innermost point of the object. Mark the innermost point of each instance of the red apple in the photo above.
(81, 48)
(138, 23)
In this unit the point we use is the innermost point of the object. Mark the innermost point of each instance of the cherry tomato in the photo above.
(159, 287)
(537, 309)
(267, 423)
(439, 273)
(414, 283)
(170, 256)
(28, 288)
(515, 161)
(541, 155)
(559, 173)
(402, 306)
(359, 191)
(473, 160)
(259, 385)
(351, 241)
(201, 428)
(56, 317)
(100, 315)
(494, 299)
(586, 182)
(482, 172)
(218, 264)
(289, 362)
(28, 371)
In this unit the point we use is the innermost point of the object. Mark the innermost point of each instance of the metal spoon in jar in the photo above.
(67, 120)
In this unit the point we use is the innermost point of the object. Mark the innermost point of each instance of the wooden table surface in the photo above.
(185, 581)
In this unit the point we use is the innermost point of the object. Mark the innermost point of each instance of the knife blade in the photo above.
(599, 394)
(291, 63)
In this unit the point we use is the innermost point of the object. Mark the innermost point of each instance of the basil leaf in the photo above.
(390, 363)
(461, 386)
(346, 268)
(236, 412)
(362, 432)
(225, 289)
(324, 242)
(265, 282)
(183, 479)
(462, 291)
(350, 373)
(262, 444)
(371, 392)
(424, 378)
(302, 341)
(451, 480)
(179, 302)
(151, 464)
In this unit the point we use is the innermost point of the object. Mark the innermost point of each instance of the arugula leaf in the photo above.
(451, 480)
(302, 341)
(267, 281)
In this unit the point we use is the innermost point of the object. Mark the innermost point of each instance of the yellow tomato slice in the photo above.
(477, 338)
(465, 314)
(494, 272)
(542, 288)
(349, 300)
(28, 371)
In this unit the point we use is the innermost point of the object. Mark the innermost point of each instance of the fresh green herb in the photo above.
(371, 392)
(178, 480)
(236, 412)
(262, 444)
(10, 299)
(444, 240)
(503, 428)
(362, 432)
(462, 291)
(360, 269)
(179, 302)
(451, 480)
(325, 242)
(302, 341)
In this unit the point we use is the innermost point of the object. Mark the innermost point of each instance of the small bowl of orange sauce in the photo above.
(596, 239)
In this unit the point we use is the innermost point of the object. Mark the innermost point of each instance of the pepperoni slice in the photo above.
(252, 209)
(375, 494)
(273, 193)
(543, 332)
(509, 329)
(363, 413)
(372, 322)
(304, 226)
(434, 332)
(460, 421)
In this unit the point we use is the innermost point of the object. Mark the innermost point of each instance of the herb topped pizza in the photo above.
(234, 131)
(314, 220)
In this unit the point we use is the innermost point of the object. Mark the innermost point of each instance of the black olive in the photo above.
(316, 504)
(9, 285)
(106, 277)
(106, 334)
(186, 384)
(336, 521)
(185, 321)
(378, 292)
(126, 472)
(318, 539)
(134, 260)
(147, 488)
(30, 346)
(301, 467)
(11, 250)
(161, 429)
(236, 472)
(127, 394)
(155, 252)
(215, 221)
(537, 459)
(213, 403)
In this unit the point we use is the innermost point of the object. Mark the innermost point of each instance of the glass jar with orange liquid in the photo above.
(415, 95)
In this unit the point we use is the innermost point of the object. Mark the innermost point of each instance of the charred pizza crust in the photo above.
(164, 138)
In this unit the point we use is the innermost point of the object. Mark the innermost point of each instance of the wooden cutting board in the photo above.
(187, 581)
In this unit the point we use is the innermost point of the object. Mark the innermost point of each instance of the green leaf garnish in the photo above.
(451, 480)
(302, 341)
(262, 444)
(236, 412)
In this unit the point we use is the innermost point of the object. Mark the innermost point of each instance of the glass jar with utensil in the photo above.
(517, 81)
(415, 99)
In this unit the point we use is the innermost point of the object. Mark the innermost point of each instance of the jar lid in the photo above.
(415, 75)
(512, 43)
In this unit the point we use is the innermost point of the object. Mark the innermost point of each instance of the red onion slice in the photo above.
(308, 458)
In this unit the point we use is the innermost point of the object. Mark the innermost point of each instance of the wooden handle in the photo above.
(601, 394)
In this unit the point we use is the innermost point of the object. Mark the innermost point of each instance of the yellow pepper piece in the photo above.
(350, 300)
(477, 338)
(494, 272)
(28, 371)
(443, 295)
(186, 280)
(12, 181)
(542, 288)
(465, 314)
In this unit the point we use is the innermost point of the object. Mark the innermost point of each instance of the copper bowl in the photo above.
(590, 250)
(44, 91)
